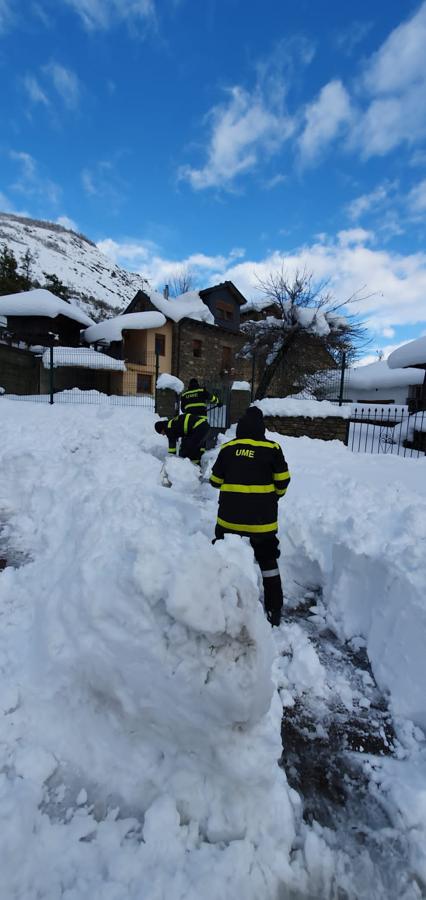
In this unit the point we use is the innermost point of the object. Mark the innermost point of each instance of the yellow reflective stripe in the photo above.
(216, 479)
(281, 493)
(185, 424)
(281, 476)
(200, 421)
(190, 393)
(272, 526)
(172, 449)
(249, 488)
(251, 442)
(192, 405)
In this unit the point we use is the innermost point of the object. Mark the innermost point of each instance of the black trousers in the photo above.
(193, 445)
(266, 548)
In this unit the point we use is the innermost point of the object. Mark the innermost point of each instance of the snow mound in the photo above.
(166, 381)
(140, 727)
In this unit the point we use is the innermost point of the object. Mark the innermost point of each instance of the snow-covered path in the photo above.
(140, 722)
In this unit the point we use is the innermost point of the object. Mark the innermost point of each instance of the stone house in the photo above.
(200, 336)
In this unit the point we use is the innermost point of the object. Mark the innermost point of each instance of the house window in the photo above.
(224, 311)
(226, 358)
(160, 344)
(197, 347)
(143, 383)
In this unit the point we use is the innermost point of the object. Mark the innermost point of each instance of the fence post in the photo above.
(342, 379)
(157, 371)
(51, 373)
(253, 374)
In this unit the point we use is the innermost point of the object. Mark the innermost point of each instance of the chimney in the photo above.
(166, 292)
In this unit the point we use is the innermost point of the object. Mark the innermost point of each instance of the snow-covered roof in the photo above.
(82, 357)
(290, 406)
(112, 329)
(41, 302)
(379, 375)
(257, 305)
(188, 305)
(411, 354)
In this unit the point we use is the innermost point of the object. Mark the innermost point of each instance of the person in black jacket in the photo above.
(193, 432)
(196, 399)
(252, 474)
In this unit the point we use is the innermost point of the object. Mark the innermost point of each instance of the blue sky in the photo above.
(228, 136)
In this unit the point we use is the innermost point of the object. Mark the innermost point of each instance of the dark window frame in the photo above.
(197, 348)
(139, 388)
(161, 339)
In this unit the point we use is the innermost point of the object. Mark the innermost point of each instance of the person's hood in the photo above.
(252, 425)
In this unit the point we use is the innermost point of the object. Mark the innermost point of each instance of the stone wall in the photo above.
(167, 403)
(332, 428)
(210, 365)
(239, 402)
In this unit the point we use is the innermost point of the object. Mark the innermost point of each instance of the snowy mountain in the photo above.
(100, 287)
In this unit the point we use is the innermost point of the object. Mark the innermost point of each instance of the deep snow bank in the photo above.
(139, 726)
(356, 524)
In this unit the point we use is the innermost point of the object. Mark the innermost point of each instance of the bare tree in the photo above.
(299, 305)
(181, 281)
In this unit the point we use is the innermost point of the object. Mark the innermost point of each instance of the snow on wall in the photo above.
(240, 386)
(290, 406)
(171, 382)
(40, 302)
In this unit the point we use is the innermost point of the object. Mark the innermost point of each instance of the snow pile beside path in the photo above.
(356, 525)
(139, 726)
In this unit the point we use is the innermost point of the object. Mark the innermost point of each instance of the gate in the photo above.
(218, 416)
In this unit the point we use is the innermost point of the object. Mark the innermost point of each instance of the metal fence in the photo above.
(387, 429)
(83, 375)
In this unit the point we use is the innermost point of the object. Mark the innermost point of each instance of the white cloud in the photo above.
(376, 199)
(7, 206)
(30, 182)
(34, 91)
(401, 60)
(6, 15)
(102, 14)
(104, 182)
(349, 38)
(394, 285)
(65, 82)
(145, 256)
(324, 120)
(417, 198)
(395, 80)
(66, 222)
(354, 236)
(245, 130)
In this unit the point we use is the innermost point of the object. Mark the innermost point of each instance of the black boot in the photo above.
(273, 594)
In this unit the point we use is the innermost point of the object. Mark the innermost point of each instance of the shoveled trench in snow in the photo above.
(140, 726)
